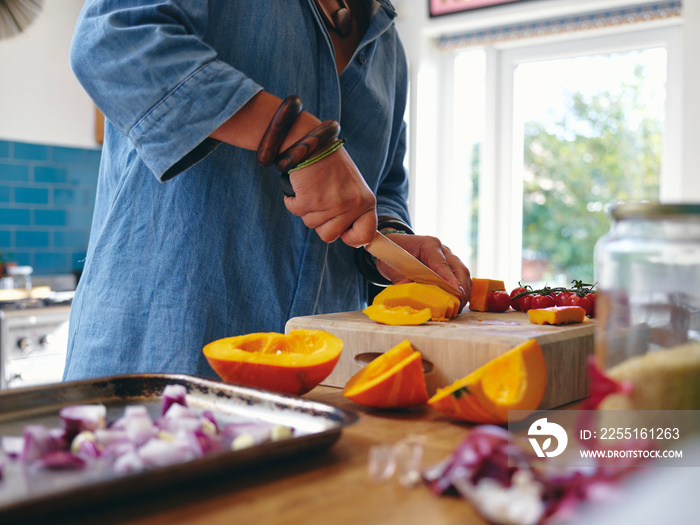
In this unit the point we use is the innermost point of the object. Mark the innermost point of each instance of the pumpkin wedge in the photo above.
(481, 289)
(443, 305)
(461, 403)
(291, 363)
(557, 315)
(515, 380)
(395, 379)
(397, 315)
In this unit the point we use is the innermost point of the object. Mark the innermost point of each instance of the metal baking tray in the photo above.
(24, 492)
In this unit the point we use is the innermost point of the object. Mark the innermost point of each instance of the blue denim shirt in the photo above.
(190, 240)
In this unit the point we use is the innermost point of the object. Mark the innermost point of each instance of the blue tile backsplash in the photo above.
(47, 195)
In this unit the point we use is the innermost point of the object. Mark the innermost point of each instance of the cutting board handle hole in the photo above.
(363, 359)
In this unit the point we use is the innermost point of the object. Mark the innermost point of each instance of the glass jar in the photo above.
(648, 279)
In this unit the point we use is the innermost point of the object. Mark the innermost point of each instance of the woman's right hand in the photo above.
(332, 198)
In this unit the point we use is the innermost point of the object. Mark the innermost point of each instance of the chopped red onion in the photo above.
(174, 394)
(77, 418)
(491, 471)
(160, 453)
(60, 460)
(38, 440)
(12, 445)
(128, 462)
(134, 441)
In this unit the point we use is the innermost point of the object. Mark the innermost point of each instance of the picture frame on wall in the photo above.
(447, 7)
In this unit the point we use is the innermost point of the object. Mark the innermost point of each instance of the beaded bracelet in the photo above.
(335, 146)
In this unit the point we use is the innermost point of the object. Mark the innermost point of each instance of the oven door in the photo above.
(33, 345)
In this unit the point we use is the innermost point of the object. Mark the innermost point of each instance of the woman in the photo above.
(192, 239)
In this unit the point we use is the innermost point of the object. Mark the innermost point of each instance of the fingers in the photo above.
(435, 255)
(332, 198)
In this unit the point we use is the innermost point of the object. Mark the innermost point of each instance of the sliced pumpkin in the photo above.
(481, 289)
(397, 315)
(557, 315)
(515, 380)
(442, 304)
(458, 401)
(291, 363)
(395, 379)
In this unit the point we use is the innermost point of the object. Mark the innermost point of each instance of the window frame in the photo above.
(499, 244)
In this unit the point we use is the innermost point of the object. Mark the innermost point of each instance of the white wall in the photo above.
(40, 99)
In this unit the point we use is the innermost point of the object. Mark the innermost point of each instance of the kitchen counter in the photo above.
(331, 487)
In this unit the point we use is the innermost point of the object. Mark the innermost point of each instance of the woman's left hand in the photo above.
(438, 257)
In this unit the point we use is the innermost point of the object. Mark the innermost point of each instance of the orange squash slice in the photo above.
(395, 379)
(515, 380)
(557, 315)
(397, 315)
(291, 364)
(442, 304)
(481, 288)
(458, 401)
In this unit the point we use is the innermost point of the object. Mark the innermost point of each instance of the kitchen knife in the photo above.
(406, 264)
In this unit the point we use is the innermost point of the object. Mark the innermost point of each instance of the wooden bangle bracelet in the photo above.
(302, 149)
(279, 126)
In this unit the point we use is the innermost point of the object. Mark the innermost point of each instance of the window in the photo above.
(534, 142)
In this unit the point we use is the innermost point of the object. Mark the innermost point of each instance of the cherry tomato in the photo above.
(525, 302)
(584, 302)
(561, 298)
(498, 301)
(593, 298)
(515, 303)
(542, 301)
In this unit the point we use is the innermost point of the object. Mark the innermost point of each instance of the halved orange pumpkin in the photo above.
(515, 380)
(395, 379)
(291, 364)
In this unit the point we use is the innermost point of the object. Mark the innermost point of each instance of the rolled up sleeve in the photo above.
(150, 71)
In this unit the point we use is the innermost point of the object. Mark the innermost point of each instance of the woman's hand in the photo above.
(438, 257)
(332, 198)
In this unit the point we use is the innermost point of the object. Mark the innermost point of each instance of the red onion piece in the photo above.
(12, 445)
(77, 418)
(160, 453)
(174, 394)
(60, 460)
(38, 440)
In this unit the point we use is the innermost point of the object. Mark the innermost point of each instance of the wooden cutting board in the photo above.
(451, 350)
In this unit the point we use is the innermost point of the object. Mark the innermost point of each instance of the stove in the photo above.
(33, 340)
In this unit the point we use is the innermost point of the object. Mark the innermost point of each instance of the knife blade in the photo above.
(406, 264)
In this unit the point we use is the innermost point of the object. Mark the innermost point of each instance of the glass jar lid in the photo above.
(653, 210)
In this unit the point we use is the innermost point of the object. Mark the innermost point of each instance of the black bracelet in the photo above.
(285, 116)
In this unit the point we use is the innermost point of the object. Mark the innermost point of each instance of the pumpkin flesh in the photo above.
(397, 315)
(395, 379)
(291, 363)
(557, 315)
(481, 289)
(515, 380)
(443, 305)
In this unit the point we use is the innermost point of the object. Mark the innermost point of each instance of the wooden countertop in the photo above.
(332, 487)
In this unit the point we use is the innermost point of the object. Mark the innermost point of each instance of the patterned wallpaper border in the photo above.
(567, 24)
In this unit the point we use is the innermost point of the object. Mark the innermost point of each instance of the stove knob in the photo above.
(24, 344)
(47, 340)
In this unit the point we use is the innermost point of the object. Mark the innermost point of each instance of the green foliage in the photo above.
(604, 150)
